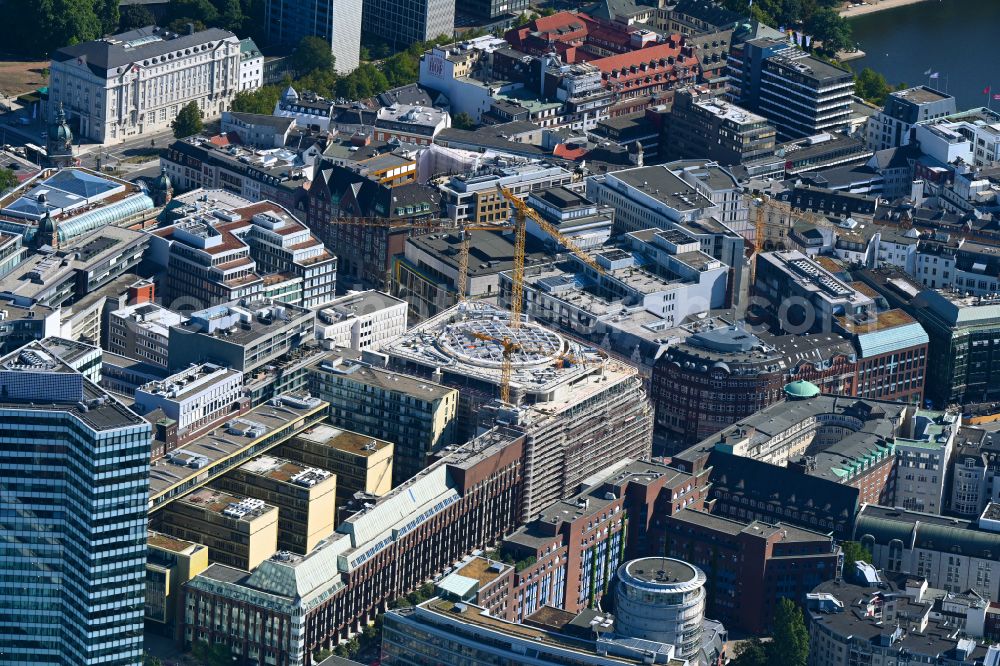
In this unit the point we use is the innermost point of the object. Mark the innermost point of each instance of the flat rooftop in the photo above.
(482, 569)
(814, 68)
(475, 616)
(35, 379)
(921, 95)
(490, 252)
(883, 320)
(285, 471)
(348, 366)
(727, 111)
(69, 351)
(164, 542)
(191, 381)
(343, 440)
(810, 276)
(225, 504)
(227, 322)
(353, 305)
(663, 185)
(661, 570)
(202, 459)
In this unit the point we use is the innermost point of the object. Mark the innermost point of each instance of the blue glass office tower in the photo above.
(74, 476)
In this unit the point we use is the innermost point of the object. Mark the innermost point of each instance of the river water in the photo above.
(959, 39)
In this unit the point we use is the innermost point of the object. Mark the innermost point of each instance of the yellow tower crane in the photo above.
(510, 348)
(521, 213)
(762, 206)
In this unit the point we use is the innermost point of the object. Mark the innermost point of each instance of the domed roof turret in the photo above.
(162, 182)
(289, 95)
(801, 390)
(47, 232)
(60, 135)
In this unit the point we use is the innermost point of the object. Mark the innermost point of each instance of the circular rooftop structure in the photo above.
(482, 342)
(662, 574)
(662, 599)
(801, 389)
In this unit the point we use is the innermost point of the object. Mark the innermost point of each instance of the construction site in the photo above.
(580, 409)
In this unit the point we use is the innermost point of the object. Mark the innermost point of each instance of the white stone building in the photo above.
(136, 82)
(410, 124)
(922, 460)
(251, 65)
(361, 320)
(193, 397)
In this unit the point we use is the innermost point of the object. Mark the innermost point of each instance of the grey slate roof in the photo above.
(277, 122)
(104, 54)
(927, 531)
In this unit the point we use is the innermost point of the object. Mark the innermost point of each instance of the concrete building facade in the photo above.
(136, 82)
(238, 531)
(305, 498)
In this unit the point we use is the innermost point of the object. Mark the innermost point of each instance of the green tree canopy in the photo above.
(8, 179)
(367, 80)
(777, 13)
(312, 55)
(188, 121)
(831, 28)
(463, 121)
(790, 644)
(217, 654)
(192, 11)
(231, 15)
(135, 16)
(871, 86)
(262, 100)
(854, 552)
(45, 26)
(108, 14)
(751, 653)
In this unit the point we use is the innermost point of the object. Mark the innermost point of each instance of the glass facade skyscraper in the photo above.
(74, 475)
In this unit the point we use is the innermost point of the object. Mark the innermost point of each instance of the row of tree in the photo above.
(315, 66)
(45, 26)
(789, 644)
(872, 87)
(819, 18)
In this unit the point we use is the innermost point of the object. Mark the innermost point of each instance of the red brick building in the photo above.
(750, 565)
(568, 555)
(640, 78)
(577, 37)
(717, 377)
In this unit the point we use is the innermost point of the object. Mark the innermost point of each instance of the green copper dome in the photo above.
(60, 135)
(801, 389)
(162, 182)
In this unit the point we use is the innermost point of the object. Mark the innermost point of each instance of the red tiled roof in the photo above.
(652, 53)
(557, 21)
(568, 152)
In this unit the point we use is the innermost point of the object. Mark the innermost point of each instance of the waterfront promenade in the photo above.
(872, 6)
